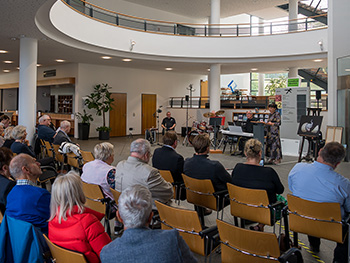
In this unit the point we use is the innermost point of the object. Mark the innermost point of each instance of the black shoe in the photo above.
(315, 249)
(207, 211)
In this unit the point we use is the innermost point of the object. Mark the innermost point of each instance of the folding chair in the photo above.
(187, 223)
(201, 193)
(239, 245)
(59, 157)
(321, 220)
(62, 255)
(167, 176)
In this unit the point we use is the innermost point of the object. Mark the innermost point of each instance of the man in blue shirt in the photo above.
(26, 201)
(45, 132)
(319, 182)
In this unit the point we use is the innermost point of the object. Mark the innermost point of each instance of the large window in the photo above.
(254, 83)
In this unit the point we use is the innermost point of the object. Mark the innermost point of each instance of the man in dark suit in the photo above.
(166, 158)
(62, 133)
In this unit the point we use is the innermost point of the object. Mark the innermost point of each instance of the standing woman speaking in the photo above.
(273, 141)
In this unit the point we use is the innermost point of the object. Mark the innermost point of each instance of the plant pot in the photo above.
(83, 131)
(103, 135)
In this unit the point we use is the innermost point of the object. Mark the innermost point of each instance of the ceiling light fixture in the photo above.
(168, 68)
(8, 61)
(208, 69)
(132, 44)
(38, 65)
(347, 69)
(17, 68)
(6, 70)
(317, 60)
(127, 59)
(106, 57)
(60, 60)
(253, 69)
(320, 42)
(3, 51)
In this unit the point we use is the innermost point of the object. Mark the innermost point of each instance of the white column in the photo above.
(293, 14)
(214, 87)
(214, 17)
(27, 85)
(293, 72)
(261, 84)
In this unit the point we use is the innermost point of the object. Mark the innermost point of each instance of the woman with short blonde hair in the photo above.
(71, 225)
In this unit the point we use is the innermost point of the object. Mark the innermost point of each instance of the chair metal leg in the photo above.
(286, 227)
(242, 223)
(200, 212)
(236, 221)
(295, 239)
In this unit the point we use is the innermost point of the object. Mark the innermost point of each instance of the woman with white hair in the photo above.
(21, 145)
(71, 225)
(8, 137)
(100, 171)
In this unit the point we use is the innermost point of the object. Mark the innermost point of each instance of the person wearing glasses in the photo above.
(136, 170)
(45, 132)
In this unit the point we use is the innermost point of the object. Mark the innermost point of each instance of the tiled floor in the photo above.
(122, 146)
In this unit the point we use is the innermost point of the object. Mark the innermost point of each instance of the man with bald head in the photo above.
(26, 201)
(45, 132)
(136, 170)
(62, 133)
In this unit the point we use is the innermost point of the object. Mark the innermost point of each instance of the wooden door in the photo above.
(117, 116)
(204, 93)
(149, 107)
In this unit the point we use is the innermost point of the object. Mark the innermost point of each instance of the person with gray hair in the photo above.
(21, 144)
(319, 182)
(136, 170)
(26, 201)
(45, 132)
(62, 133)
(100, 171)
(139, 243)
(8, 137)
(72, 225)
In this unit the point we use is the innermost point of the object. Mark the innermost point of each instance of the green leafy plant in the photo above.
(274, 84)
(84, 117)
(101, 101)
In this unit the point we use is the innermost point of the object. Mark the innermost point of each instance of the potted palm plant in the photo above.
(101, 101)
(84, 125)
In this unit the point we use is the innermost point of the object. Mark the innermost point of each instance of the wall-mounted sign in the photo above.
(293, 82)
(50, 73)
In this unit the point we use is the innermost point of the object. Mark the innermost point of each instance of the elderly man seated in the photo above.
(319, 182)
(45, 132)
(136, 170)
(26, 201)
(62, 133)
(139, 243)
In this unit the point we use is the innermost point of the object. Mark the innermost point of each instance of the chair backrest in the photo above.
(116, 195)
(200, 192)
(72, 160)
(303, 212)
(250, 204)
(169, 178)
(87, 156)
(61, 255)
(48, 149)
(243, 241)
(183, 220)
(93, 192)
(58, 156)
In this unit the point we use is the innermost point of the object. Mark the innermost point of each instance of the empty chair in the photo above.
(245, 246)
(188, 224)
(61, 255)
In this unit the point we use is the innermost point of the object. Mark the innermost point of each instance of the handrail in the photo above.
(192, 29)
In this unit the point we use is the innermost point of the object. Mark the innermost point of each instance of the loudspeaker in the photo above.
(187, 98)
(318, 94)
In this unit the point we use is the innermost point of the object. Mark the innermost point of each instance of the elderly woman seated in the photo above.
(71, 225)
(21, 144)
(8, 137)
(100, 171)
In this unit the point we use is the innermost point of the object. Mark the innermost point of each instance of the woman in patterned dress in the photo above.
(273, 142)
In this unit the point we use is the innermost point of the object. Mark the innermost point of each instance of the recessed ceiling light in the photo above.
(127, 59)
(3, 51)
(253, 69)
(17, 68)
(208, 69)
(8, 61)
(6, 70)
(347, 69)
(38, 65)
(106, 57)
(168, 68)
(318, 60)
(60, 60)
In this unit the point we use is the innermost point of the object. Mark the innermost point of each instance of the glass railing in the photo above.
(187, 29)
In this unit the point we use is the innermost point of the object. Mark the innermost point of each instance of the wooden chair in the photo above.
(62, 255)
(59, 157)
(253, 205)
(321, 220)
(201, 193)
(188, 224)
(74, 161)
(239, 245)
(169, 178)
(87, 156)
(48, 173)
(49, 149)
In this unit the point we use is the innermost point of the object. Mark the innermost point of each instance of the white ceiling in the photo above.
(17, 18)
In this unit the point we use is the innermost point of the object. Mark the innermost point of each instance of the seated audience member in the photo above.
(7, 182)
(139, 243)
(45, 132)
(251, 175)
(166, 158)
(136, 170)
(5, 120)
(73, 226)
(26, 201)
(200, 167)
(2, 140)
(100, 171)
(8, 137)
(319, 182)
(21, 144)
(62, 133)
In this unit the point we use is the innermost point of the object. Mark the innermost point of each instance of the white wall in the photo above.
(134, 82)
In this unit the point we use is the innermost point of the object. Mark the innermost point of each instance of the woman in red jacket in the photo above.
(72, 225)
